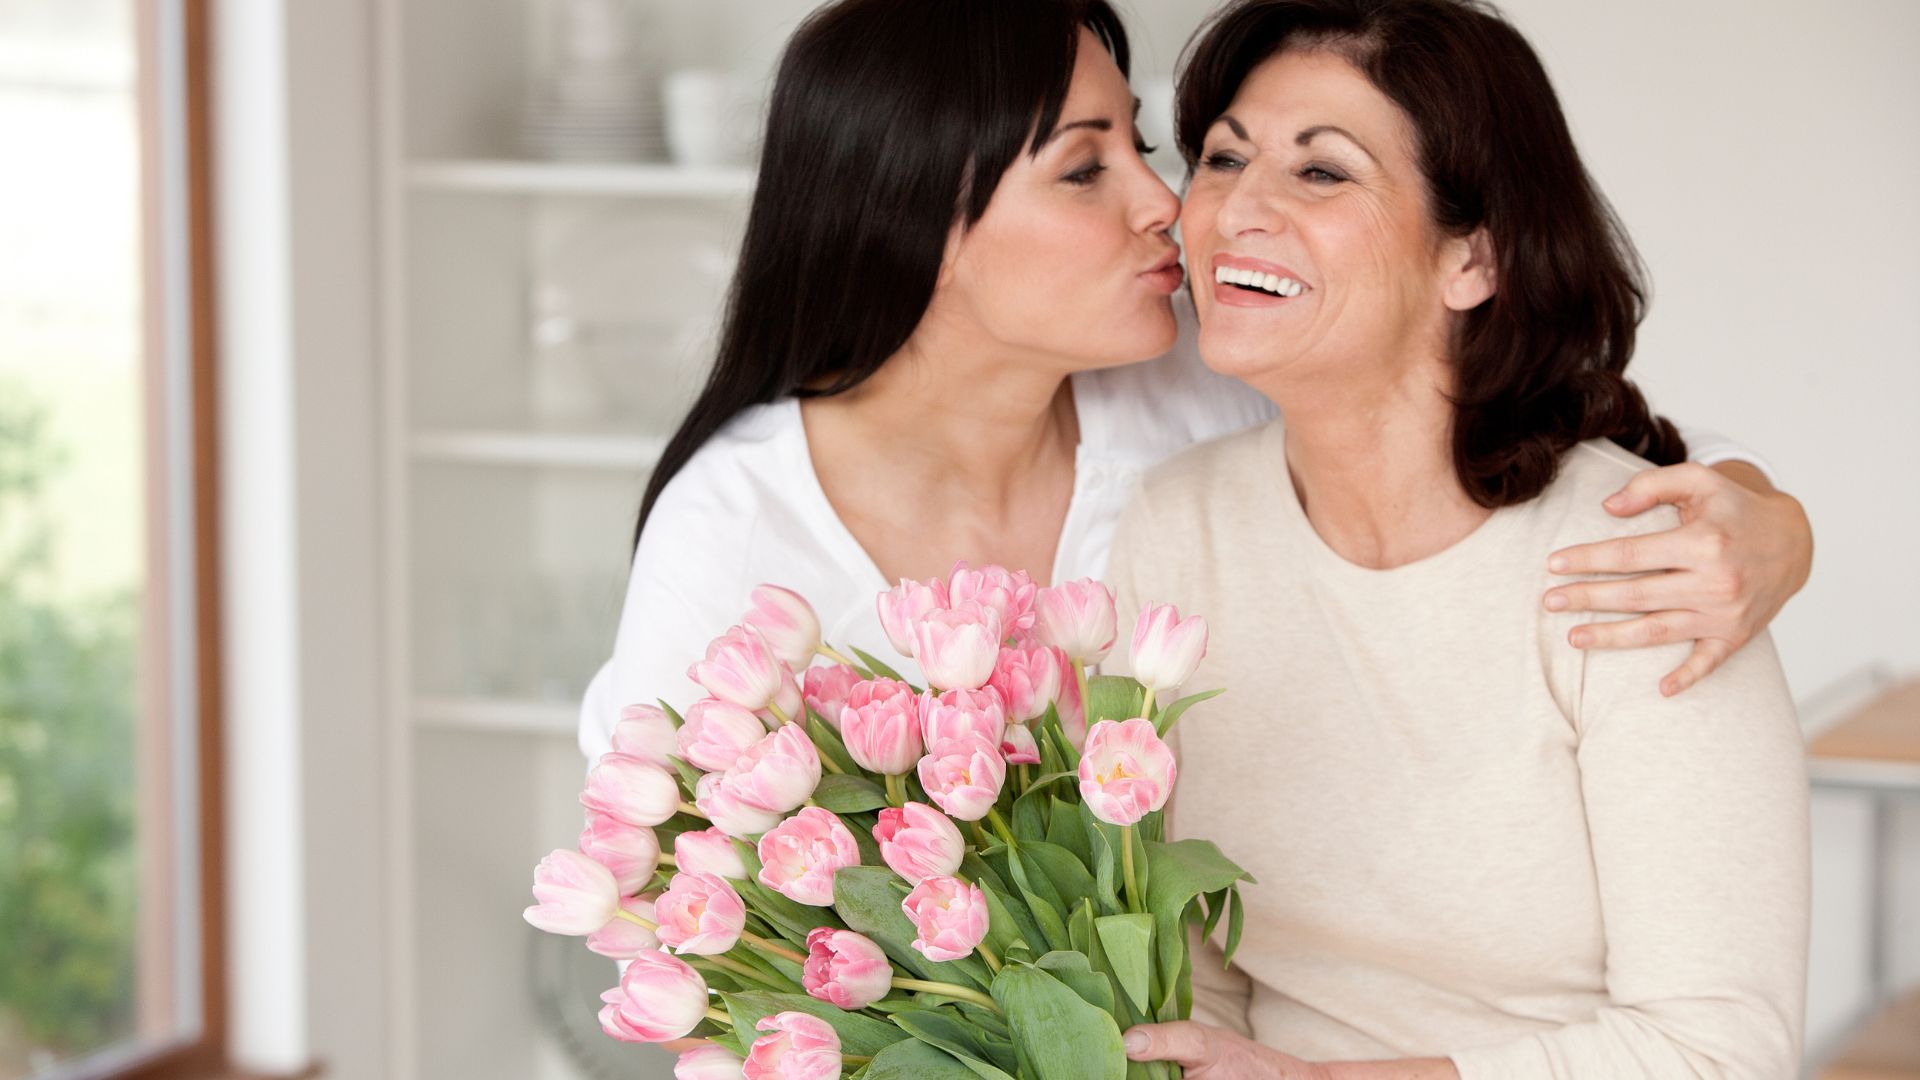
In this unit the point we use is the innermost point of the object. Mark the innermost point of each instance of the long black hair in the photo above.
(891, 122)
(1540, 365)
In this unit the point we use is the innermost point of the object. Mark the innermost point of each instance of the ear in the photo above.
(1471, 274)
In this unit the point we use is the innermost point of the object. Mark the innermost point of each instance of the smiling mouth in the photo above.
(1256, 282)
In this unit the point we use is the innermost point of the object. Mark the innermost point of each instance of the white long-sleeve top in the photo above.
(747, 508)
(1471, 839)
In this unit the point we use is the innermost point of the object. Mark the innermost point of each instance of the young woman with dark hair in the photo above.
(1482, 853)
(954, 334)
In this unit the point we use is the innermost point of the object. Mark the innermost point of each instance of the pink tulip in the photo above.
(963, 776)
(949, 915)
(788, 623)
(1126, 772)
(777, 773)
(709, 851)
(1077, 618)
(624, 939)
(845, 969)
(881, 726)
(1166, 648)
(1028, 680)
(826, 689)
(957, 649)
(801, 1047)
(903, 606)
(645, 732)
(787, 699)
(632, 852)
(576, 894)
(962, 714)
(659, 998)
(741, 667)
(799, 856)
(708, 1061)
(699, 913)
(919, 842)
(1073, 717)
(716, 733)
(628, 788)
(731, 814)
(1009, 594)
(1019, 747)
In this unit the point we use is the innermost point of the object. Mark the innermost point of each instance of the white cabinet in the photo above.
(544, 327)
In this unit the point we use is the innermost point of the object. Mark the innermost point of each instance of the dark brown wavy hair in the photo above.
(1540, 365)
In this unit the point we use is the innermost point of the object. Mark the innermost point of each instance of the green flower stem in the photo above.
(623, 913)
(719, 1017)
(993, 962)
(1086, 703)
(1151, 705)
(896, 789)
(946, 990)
(666, 857)
(692, 811)
(979, 836)
(1000, 826)
(747, 971)
(1126, 864)
(779, 714)
(771, 947)
(839, 657)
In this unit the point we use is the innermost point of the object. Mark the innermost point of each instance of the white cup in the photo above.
(709, 121)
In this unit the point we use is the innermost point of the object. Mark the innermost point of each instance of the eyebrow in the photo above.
(1301, 139)
(1095, 124)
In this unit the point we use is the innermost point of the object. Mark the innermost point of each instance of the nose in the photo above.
(1253, 204)
(1156, 207)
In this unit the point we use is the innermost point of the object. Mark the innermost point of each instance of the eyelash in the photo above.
(1086, 176)
(1220, 161)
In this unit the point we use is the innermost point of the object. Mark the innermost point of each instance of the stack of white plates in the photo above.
(595, 119)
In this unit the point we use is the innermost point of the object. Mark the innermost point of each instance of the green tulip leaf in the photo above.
(1126, 941)
(847, 794)
(1057, 1035)
(859, 1034)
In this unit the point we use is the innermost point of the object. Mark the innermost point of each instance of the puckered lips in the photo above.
(1166, 275)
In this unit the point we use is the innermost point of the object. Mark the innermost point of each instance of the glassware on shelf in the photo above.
(599, 99)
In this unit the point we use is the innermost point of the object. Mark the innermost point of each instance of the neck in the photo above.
(955, 416)
(1372, 463)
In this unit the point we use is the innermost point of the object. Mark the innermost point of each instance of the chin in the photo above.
(1239, 355)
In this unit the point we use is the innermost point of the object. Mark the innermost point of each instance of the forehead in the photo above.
(1299, 88)
(1096, 80)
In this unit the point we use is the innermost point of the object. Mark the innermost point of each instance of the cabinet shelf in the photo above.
(503, 716)
(637, 180)
(538, 449)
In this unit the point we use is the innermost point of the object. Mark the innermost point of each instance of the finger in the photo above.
(1626, 554)
(1647, 592)
(1672, 485)
(1659, 628)
(1708, 654)
(1182, 1041)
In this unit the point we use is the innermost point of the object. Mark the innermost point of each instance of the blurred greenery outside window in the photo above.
(80, 900)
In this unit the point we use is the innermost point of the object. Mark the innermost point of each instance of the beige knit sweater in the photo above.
(1471, 839)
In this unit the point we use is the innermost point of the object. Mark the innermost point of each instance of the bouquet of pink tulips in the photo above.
(867, 877)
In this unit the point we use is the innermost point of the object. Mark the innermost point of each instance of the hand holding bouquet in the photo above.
(872, 878)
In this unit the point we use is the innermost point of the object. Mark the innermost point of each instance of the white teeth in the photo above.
(1273, 283)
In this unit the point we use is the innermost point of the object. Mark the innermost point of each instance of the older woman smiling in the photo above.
(1481, 851)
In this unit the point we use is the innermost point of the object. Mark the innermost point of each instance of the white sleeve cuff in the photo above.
(1711, 448)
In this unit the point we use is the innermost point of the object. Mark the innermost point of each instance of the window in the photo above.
(110, 943)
